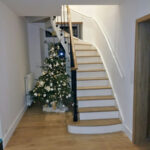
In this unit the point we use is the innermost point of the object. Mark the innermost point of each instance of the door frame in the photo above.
(135, 105)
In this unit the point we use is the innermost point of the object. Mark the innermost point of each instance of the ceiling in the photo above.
(49, 7)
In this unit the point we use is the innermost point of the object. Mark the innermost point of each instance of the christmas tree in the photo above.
(54, 83)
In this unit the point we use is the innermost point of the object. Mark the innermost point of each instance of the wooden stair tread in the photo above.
(96, 78)
(98, 109)
(93, 87)
(86, 50)
(88, 56)
(91, 70)
(76, 43)
(109, 97)
(100, 122)
(85, 63)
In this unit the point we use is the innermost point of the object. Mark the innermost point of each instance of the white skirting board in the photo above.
(127, 132)
(94, 129)
(13, 126)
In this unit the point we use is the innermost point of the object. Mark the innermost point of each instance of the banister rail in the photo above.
(75, 66)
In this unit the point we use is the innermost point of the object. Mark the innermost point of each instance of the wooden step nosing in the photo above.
(111, 97)
(93, 88)
(89, 79)
(90, 63)
(92, 50)
(87, 56)
(96, 99)
(86, 44)
(97, 111)
(94, 70)
(91, 126)
(98, 125)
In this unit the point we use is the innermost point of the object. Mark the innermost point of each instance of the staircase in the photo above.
(97, 110)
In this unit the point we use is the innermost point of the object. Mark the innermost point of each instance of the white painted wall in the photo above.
(13, 68)
(0, 130)
(117, 25)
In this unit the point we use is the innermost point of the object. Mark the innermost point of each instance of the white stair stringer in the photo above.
(64, 41)
(97, 109)
(58, 33)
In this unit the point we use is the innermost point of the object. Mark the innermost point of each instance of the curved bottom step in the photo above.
(101, 126)
(94, 129)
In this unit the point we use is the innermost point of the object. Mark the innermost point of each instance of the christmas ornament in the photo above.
(41, 83)
(47, 101)
(54, 83)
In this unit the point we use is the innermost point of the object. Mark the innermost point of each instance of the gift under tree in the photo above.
(53, 86)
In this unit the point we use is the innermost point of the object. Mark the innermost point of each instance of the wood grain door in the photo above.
(141, 124)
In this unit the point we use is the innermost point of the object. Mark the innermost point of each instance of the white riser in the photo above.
(85, 53)
(88, 59)
(96, 103)
(94, 129)
(93, 83)
(91, 74)
(94, 92)
(90, 66)
(99, 115)
(85, 47)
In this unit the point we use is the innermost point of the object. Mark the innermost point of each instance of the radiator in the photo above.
(29, 84)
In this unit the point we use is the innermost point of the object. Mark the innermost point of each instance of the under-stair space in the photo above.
(97, 109)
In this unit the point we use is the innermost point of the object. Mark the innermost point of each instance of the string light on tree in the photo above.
(53, 86)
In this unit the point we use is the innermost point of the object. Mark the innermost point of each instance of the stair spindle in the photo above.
(61, 22)
(64, 15)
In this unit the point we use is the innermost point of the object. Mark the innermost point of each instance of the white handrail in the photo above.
(101, 28)
(72, 39)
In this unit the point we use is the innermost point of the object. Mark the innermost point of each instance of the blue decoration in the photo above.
(61, 52)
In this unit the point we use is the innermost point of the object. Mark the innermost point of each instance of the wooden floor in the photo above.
(43, 131)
